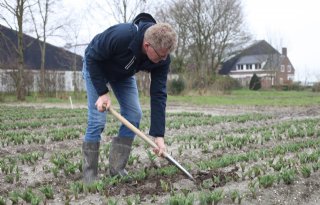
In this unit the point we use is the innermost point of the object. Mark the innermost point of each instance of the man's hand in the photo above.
(103, 102)
(161, 146)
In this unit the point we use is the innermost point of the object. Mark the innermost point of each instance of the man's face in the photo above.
(156, 55)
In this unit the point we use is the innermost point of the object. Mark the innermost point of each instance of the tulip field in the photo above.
(241, 156)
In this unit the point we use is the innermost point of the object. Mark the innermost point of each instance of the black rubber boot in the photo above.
(90, 152)
(119, 155)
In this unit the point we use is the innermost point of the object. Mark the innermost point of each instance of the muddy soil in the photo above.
(301, 191)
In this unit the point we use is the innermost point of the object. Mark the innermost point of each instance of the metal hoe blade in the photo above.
(173, 161)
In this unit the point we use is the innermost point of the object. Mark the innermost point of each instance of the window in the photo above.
(249, 66)
(289, 68)
(240, 67)
(282, 68)
(257, 66)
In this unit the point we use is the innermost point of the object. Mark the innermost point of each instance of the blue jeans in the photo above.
(126, 92)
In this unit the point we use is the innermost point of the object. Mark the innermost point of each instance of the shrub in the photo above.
(316, 87)
(225, 83)
(176, 86)
(255, 82)
(1, 97)
(290, 86)
(296, 86)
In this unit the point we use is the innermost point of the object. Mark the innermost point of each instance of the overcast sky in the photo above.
(293, 24)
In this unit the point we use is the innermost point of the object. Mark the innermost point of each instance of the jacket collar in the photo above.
(143, 17)
(136, 44)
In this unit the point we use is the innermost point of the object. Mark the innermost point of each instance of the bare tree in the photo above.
(179, 19)
(72, 31)
(122, 11)
(17, 10)
(230, 33)
(40, 13)
(273, 58)
(206, 30)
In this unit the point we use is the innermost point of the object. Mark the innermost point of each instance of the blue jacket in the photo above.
(116, 54)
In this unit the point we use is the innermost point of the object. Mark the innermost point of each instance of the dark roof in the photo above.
(260, 48)
(56, 58)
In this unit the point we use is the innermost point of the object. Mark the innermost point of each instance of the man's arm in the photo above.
(158, 100)
(158, 93)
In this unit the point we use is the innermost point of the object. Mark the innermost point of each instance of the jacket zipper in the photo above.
(130, 63)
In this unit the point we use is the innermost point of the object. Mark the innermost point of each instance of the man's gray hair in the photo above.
(161, 35)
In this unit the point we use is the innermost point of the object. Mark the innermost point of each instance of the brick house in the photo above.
(62, 67)
(272, 67)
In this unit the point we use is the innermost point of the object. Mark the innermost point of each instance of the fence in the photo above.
(61, 81)
(55, 80)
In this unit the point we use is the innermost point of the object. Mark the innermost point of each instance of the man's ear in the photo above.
(145, 44)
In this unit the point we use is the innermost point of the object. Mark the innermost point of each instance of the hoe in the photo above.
(148, 140)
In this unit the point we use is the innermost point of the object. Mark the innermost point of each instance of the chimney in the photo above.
(284, 52)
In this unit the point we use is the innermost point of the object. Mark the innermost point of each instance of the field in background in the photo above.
(250, 98)
(236, 97)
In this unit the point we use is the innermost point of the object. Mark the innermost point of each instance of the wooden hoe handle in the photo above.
(132, 128)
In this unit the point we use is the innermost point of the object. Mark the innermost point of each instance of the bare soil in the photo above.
(301, 191)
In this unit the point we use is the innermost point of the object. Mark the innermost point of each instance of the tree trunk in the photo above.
(20, 83)
(21, 94)
(42, 70)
